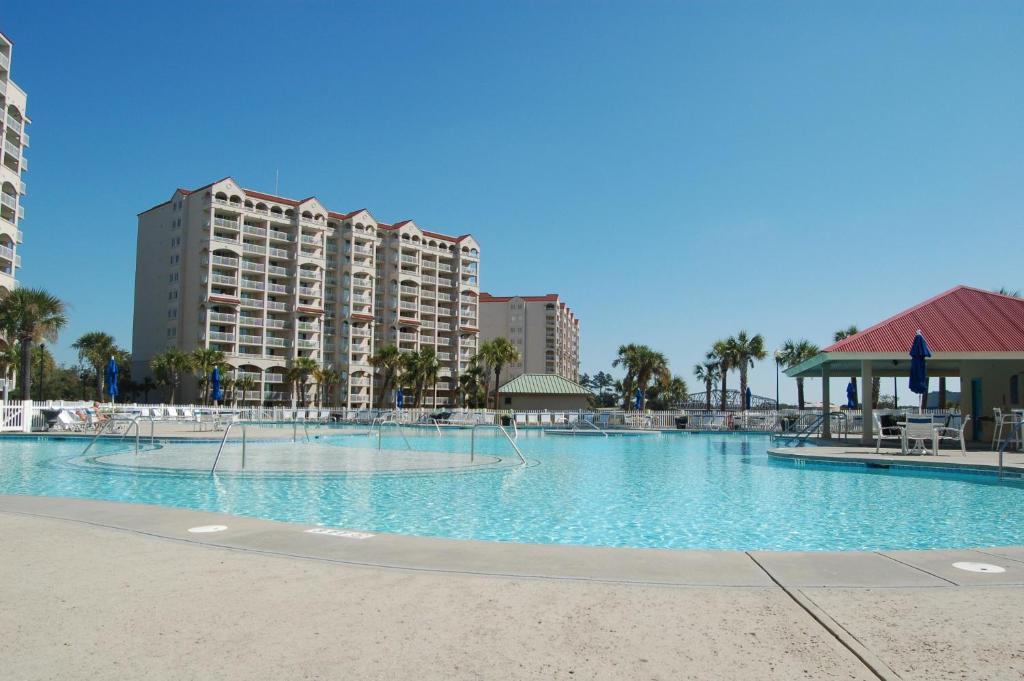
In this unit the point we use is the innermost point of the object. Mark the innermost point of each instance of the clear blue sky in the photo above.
(677, 171)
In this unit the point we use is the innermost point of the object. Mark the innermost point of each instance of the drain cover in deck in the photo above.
(979, 567)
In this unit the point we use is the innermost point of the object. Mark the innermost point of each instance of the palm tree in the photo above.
(422, 370)
(472, 386)
(8, 359)
(496, 354)
(147, 386)
(96, 349)
(168, 368)
(1012, 292)
(745, 351)
(31, 315)
(628, 358)
(707, 373)
(244, 385)
(204, 360)
(326, 378)
(670, 395)
(795, 352)
(298, 374)
(389, 361)
(724, 353)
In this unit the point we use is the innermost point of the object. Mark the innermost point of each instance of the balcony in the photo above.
(277, 288)
(362, 299)
(249, 301)
(363, 250)
(409, 290)
(250, 266)
(274, 378)
(307, 344)
(405, 305)
(9, 200)
(366, 333)
(279, 271)
(272, 323)
(225, 239)
(308, 274)
(444, 267)
(274, 305)
(280, 236)
(410, 259)
(225, 223)
(254, 248)
(252, 284)
(306, 326)
(222, 336)
(308, 291)
(250, 321)
(254, 230)
(444, 356)
(223, 318)
(224, 279)
(314, 240)
(408, 337)
(250, 340)
(225, 261)
(275, 342)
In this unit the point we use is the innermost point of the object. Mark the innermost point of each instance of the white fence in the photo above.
(28, 416)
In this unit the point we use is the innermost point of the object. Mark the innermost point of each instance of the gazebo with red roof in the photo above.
(973, 334)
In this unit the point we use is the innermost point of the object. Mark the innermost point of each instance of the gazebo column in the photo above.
(867, 434)
(826, 402)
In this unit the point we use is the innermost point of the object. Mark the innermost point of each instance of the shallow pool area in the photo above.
(671, 490)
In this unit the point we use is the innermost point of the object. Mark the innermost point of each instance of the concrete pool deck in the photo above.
(840, 452)
(105, 590)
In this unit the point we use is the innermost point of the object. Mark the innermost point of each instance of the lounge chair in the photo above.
(602, 420)
(949, 433)
(67, 421)
(545, 419)
(886, 428)
(919, 427)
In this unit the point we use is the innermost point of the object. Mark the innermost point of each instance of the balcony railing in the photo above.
(222, 336)
(308, 291)
(280, 236)
(410, 337)
(362, 299)
(250, 340)
(225, 261)
(279, 271)
(306, 326)
(279, 253)
(249, 301)
(252, 284)
(227, 224)
(361, 332)
(272, 323)
(223, 318)
(274, 305)
(250, 266)
(9, 200)
(224, 279)
(255, 231)
(254, 248)
(250, 321)
(307, 344)
(277, 288)
(275, 342)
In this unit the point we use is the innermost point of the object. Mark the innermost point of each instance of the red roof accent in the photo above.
(270, 197)
(310, 310)
(488, 298)
(361, 315)
(963, 319)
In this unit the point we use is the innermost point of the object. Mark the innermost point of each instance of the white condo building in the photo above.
(542, 328)
(267, 279)
(13, 121)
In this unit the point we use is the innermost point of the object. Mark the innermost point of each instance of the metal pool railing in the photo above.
(472, 440)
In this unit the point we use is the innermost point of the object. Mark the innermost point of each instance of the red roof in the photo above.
(963, 319)
(488, 298)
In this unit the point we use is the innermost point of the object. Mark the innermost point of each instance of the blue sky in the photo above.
(677, 171)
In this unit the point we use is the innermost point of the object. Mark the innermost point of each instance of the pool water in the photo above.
(672, 490)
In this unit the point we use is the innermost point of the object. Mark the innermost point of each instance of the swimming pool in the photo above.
(671, 490)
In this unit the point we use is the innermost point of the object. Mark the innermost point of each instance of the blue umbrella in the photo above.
(918, 369)
(215, 392)
(638, 400)
(111, 377)
(851, 394)
(399, 398)
(749, 395)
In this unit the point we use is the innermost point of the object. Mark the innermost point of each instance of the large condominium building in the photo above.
(543, 329)
(268, 279)
(13, 120)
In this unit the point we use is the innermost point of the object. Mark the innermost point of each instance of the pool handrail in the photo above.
(133, 422)
(390, 418)
(472, 440)
(224, 439)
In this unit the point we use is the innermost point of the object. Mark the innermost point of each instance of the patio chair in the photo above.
(1007, 429)
(602, 420)
(950, 433)
(69, 422)
(545, 419)
(520, 419)
(919, 427)
(886, 428)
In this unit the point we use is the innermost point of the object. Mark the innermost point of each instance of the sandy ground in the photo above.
(81, 602)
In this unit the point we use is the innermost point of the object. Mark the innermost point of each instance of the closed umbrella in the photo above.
(749, 397)
(111, 378)
(638, 399)
(399, 399)
(215, 392)
(851, 394)
(918, 368)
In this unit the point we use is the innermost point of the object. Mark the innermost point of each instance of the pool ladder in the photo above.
(134, 423)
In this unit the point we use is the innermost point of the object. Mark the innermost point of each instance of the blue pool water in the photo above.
(673, 490)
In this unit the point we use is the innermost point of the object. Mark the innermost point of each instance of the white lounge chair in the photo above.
(545, 419)
(886, 428)
(952, 434)
(918, 428)
(69, 422)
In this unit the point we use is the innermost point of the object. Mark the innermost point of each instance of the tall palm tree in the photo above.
(496, 354)
(628, 358)
(204, 360)
(424, 371)
(471, 385)
(30, 316)
(326, 378)
(670, 395)
(298, 374)
(795, 352)
(1012, 292)
(707, 373)
(168, 368)
(745, 351)
(96, 349)
(245, 385)
(389, 361)
(724, 353)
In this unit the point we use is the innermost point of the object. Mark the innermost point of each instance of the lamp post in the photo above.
(42, 356)
(777, 362)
